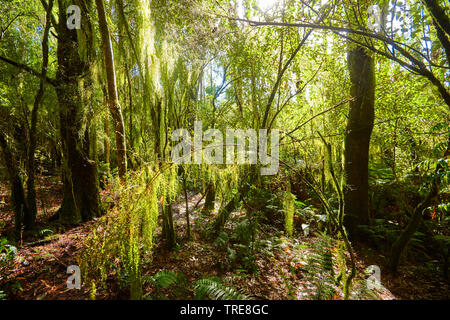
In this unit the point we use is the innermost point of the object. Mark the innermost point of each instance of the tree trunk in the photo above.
(168, 230)
(107, 132)
(130, 93)
(156, 112)
(188, 221)
(81, 192)
(209, 199)
(17, 194)
(357, 139)
(31, 189)
(114, 106)
(438, 14)
(224, 213)
(400, 244)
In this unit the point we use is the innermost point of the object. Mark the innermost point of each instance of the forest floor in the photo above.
(40, 267)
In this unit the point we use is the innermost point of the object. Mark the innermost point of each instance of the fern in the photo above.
(176, 283)
(222, 240)
(363, 292)
(164, 278)
(212, 289)
(125, 235)
(320, 270)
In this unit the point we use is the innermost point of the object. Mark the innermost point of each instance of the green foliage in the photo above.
(7, 252)
(176, 62)
(310, 217)
(264, 203)
(104, 173)
(7, 255)
(165, 278)
(124, 237)
(176, 282)
(221, 241)
(289, 208)
(214, 290)
(45, 232)
(177, 286)
(244, 245)
(381, 233)
(243, 231)
(363, 291)
(380, 174)
(320, 269)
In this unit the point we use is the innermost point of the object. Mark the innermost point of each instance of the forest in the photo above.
(224, 150)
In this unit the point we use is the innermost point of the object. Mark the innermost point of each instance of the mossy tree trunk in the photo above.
(113, 100)
(81, 192)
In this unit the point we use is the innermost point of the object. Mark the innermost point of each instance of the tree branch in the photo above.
(30, 70)
(438, 15)
(400, 47)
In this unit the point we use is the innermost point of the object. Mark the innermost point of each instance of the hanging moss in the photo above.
(125, 235)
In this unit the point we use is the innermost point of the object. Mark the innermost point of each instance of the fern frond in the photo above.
(320, 269)
(212, 289)
(164, 278)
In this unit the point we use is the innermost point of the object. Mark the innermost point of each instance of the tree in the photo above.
(19, 204)
(357, 139)
(31, 189)
(81, 194)
(361, 116)
(113, 101)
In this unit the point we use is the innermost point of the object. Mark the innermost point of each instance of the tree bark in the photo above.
(17, 193)
(31, 189)
(224, 213)
(114, 106)
(107, 131)
(81, 192)
(130, 93)
(168, 229)
(210, 199)
(186, 199)
(438, 15)
(357, 139)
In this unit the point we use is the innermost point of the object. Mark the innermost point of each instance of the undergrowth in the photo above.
(124, 236)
